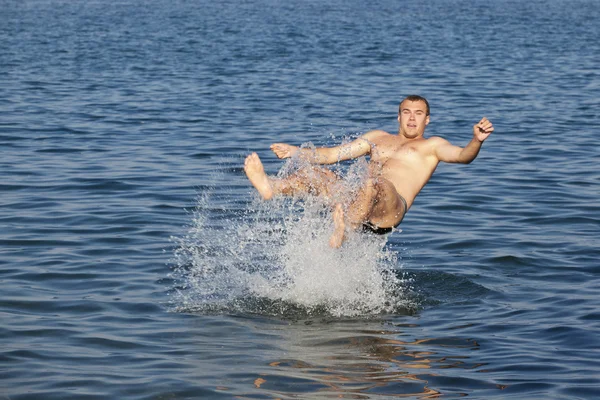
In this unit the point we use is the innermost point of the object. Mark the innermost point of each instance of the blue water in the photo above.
(137, 262)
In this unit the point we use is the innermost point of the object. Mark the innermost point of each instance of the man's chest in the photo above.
(388, 150)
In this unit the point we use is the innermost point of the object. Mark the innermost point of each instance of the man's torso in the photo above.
(407, 164)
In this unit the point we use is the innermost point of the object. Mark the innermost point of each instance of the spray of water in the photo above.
(273, 258)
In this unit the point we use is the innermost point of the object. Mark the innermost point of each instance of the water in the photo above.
(123, 128)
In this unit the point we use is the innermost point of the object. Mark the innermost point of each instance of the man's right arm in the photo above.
(328, 155)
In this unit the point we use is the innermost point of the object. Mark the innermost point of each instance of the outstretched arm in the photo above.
(454, 154)
(328, 155)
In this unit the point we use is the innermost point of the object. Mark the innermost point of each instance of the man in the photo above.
(400, 166)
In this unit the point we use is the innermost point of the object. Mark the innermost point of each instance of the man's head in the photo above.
(413, 116)
(414, 97)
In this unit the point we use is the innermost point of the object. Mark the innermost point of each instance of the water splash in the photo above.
(273, 258)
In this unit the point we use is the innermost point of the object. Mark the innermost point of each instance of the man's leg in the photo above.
(339, 227)
(376, 203)
(357, 214)
(312, 179)
(256, 174)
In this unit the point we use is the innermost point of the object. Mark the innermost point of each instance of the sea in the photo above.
(137, 261)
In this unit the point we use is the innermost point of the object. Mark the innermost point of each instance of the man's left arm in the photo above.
(454, 154)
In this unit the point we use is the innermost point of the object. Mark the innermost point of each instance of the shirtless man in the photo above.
(400, 166)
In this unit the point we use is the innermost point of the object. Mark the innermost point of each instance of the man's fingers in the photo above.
(485, 125)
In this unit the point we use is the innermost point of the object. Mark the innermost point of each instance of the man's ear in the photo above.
(427, 121)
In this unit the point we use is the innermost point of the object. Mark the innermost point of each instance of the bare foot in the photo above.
(256, 174)
(339, 229)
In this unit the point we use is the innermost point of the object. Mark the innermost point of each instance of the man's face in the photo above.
(413, 118)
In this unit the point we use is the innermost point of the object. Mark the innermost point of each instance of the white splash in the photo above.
(274, 256)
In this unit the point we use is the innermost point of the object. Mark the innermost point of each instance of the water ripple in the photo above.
(117, 116)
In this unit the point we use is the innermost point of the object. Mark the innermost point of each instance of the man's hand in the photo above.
(482, 129)
(283, 150)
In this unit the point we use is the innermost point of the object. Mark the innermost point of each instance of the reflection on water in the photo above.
(342, 359)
